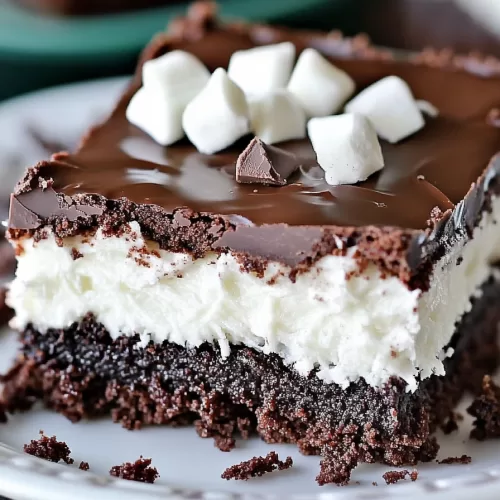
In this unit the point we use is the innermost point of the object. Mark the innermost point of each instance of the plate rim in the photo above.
(25, 477)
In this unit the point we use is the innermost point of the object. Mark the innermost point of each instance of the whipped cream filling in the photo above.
(363, 326)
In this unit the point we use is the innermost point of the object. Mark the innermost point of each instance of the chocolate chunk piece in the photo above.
(257, 466)
(140, 470)
(261, 163)
(49, 449)
(22, 217)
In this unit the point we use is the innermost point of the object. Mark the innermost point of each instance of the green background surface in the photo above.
(37, 51)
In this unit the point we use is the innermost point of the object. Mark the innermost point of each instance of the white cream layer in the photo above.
(364, 326)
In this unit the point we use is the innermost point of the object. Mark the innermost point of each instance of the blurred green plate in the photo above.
(37, 51)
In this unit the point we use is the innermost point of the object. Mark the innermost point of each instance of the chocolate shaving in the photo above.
(261, 163)
(257, 466)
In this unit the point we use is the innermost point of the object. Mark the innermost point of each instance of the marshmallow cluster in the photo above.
(347, 146)
(263, 93)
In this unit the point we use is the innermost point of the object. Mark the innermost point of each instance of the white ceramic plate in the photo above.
(190, 467)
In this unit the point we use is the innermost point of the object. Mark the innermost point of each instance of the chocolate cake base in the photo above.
(82, 372)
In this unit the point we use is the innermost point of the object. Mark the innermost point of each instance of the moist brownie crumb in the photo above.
(393, 476)
(140, 470)
(464, 459)
(338, 462)
(257, 466)
(486, 410)
(375, 483)
(49, 449)
(221, 429)
(84, 466)
(224, 443)
(18, 393)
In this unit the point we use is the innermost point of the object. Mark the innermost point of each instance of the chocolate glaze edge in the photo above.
(403, 252)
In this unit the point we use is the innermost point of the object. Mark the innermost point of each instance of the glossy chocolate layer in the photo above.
(434, 168)
(432, 191)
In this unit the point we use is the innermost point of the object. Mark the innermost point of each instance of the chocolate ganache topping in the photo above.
(429, 172)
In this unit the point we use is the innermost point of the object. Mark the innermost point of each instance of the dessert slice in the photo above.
(247, 290)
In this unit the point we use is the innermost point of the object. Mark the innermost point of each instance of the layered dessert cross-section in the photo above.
(252, 288)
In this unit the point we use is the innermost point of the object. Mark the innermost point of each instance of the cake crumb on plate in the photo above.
(257, 466)
(140, 470)
(464, 459)
(393, 476)
(49, 448)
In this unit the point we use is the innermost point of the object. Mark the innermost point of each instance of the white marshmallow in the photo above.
(262, 69)
(156, 116)
(277, 117)
(169, 83)
(346, 147)
(427, 108)
(390, 106)
(217, 116)
(319, 86)
(178, 74)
